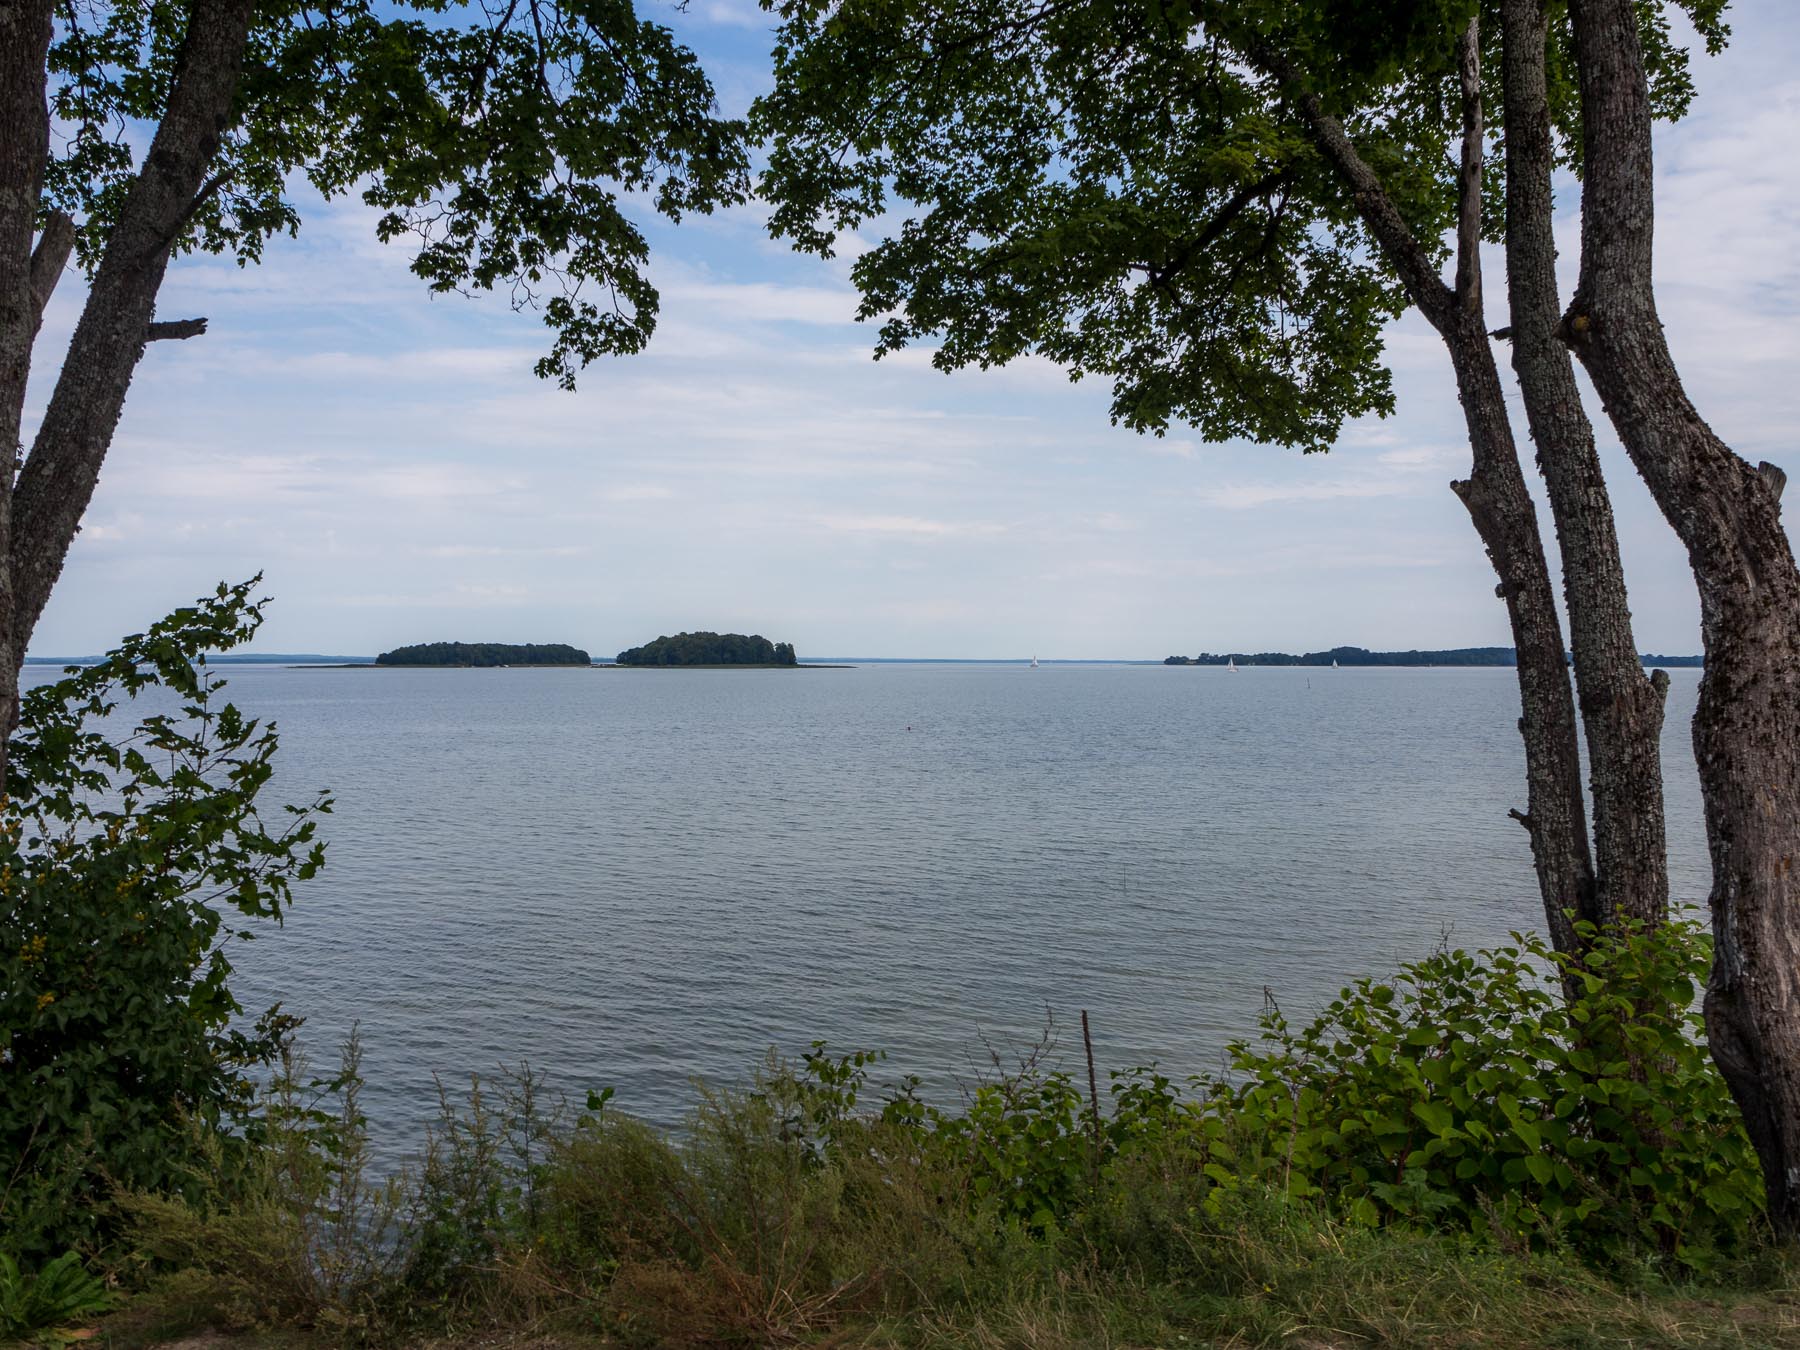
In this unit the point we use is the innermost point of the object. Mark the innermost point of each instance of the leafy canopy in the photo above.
(1118, 186)
(1086, 183)
(485, 654)
(514, 143)
(710, 649)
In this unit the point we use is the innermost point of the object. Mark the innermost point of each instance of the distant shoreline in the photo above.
(439, 665)
(307, 661)
(733, 665)
(1505, 658)
(550, 665)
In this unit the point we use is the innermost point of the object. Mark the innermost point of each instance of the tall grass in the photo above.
(785, 1212)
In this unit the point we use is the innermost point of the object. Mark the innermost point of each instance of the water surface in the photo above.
(634, 877)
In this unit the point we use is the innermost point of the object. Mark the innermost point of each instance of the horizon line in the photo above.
(279, 658)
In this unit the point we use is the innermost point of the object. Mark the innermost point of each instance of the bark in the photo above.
(48, 260)
(1747, 725)
(58, 479)
(1621, 709)
(1494, 493)
(25, 27)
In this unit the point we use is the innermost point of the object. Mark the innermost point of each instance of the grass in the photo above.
(781, 1215)
(1397, 1291)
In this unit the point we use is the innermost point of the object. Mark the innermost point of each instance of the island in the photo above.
(1362, 656)
(710, 649)
(485, 654)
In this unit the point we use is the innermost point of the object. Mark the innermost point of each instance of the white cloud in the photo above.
(909, 527)
(457, 597)
(1246, 496)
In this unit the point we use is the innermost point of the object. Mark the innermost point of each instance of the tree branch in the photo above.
(1220, 222)
(1468, 188)
(208, 190)
(48, 260)
(174, 328)
(1408, 257)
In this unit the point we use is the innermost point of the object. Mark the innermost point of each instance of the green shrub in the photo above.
(127, 856)
(287, 1230)
(1468, 1093)
(1022, 1144)
(61, 1292)
(473, 1194)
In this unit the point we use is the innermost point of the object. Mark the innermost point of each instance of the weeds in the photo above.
(807, 1206)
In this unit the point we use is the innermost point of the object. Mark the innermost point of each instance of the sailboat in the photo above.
(1230, 665)
(1034, 664)
(1334, 664)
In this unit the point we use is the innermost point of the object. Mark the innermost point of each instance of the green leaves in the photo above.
(1113, 186)
(1463, 1094)
(513, 144)
(1467, 1092)
(130, 855)
(61, 1292)
(1094, 184)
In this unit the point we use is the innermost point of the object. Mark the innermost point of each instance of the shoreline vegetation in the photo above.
(1362, 656)
(808, 1205)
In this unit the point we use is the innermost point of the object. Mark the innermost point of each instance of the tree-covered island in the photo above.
(485, 654)
(710, 649)
(1362, 656)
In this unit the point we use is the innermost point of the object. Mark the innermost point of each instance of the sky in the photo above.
(390, 464)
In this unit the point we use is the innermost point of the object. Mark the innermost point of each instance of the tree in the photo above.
(1219, 207)
(1621, 712)
(504, 145)
(1728, 515)
(1368, 87)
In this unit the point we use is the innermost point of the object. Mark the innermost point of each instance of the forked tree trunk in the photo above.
(1494, 493)
(24, 40)
(1501, 507)
(1747, 725)
(42, 502)
(58, 479)
(1621, 710)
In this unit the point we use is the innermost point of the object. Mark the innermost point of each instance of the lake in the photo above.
(633, 878)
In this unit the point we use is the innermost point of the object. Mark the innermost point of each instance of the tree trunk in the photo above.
(1621, 710)
(58, 479)
(1747, 725)
(25, 27)
(1494, 493)
(1505, 518)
